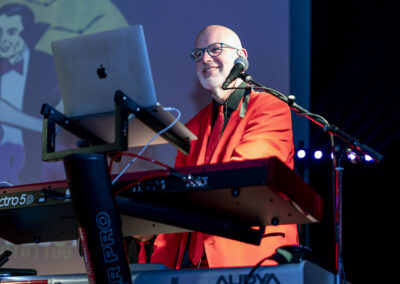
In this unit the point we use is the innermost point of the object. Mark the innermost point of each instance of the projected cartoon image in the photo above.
(21, 95)
(28, 78)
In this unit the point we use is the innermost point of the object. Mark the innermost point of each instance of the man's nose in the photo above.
(206, 57)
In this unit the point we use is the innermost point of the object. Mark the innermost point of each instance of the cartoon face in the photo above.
(11, 42)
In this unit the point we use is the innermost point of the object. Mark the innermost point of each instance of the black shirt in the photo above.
(231, 104)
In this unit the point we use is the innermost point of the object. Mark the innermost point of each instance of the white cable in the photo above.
(151, 140)
(4, 183)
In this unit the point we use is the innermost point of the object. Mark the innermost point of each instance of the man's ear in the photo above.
(242, 52)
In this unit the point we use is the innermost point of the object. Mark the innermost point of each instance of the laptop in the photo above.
(91, 68)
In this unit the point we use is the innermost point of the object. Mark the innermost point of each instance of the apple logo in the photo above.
(101, 72)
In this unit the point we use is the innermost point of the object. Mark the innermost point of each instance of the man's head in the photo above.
(13, 21)
(213, 69)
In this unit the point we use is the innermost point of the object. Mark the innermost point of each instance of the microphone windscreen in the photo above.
(243, 61)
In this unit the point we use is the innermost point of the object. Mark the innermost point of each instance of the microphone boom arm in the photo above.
(317, 119)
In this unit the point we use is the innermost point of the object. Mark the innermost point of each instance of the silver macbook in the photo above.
(91, 68)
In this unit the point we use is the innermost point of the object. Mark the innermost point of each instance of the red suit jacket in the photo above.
(264, 131)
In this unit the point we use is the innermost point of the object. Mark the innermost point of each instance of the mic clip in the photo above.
(245, 77)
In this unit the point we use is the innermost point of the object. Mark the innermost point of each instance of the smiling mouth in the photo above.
(4, 48)
(210, 68)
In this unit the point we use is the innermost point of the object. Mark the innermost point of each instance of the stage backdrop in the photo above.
(28, 78)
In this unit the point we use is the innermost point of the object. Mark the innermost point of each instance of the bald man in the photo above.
(211, 69)
(239, 124)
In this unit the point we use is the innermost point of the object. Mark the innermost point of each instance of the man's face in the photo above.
(11, 42)
(212, 71)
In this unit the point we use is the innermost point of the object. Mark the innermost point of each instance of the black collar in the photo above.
(231, 104)
(233, 101)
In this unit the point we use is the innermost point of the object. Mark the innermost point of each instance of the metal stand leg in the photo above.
(338, 177)
(99, 224)
(338, 218)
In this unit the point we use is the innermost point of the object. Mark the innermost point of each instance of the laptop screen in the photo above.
(90, 68)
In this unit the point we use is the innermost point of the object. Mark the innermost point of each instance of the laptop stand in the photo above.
(90, 143)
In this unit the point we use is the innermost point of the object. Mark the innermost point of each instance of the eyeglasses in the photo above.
(213, 50)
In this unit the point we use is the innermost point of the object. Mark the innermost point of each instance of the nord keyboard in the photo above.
(258, 192)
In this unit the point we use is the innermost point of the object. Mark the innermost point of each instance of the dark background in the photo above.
(354, 85)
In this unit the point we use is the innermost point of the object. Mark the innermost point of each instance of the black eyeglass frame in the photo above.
(193, 57)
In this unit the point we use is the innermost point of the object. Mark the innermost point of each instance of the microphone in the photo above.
(240, 65)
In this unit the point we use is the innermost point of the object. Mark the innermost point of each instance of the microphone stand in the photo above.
(338, 154)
